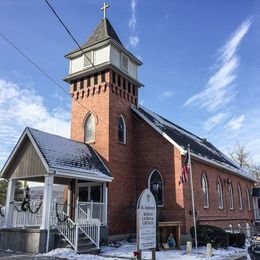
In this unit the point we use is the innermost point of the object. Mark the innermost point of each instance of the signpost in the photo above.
(146, 221)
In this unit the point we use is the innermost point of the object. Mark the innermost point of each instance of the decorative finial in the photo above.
(104, 9)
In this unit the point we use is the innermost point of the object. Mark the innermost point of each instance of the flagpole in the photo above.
(192, 199)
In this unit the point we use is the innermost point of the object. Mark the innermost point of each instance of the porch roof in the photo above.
(61, 156)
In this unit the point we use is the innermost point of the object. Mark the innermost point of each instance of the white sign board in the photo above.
(146, 221)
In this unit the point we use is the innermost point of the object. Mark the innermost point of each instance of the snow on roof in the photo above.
(65, 154)
(198, 146)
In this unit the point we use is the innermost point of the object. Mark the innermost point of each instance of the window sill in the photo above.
(122, 143)
(90, 142)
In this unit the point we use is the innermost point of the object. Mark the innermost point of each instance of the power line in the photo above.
(33, 63)
(71, 35)
(74, 39)
(39, 68)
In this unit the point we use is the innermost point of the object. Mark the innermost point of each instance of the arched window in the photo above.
(231, 195)
(205, 190)
(90, 126)
(155, 184)
(121, 130)
(248, 199)
(220, 194)
(240, 204)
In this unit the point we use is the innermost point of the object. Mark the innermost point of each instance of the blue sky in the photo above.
(201, 64)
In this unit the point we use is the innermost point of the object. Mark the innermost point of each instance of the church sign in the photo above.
(146, 221)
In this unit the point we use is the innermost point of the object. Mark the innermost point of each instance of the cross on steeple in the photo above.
(104, 9)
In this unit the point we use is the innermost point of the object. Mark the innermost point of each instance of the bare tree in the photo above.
(240, 155)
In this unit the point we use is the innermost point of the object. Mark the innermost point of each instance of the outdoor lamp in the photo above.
(27, 190)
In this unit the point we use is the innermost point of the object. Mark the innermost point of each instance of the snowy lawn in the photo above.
(125, 251)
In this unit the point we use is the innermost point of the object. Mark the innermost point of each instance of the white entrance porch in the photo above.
(41, 157)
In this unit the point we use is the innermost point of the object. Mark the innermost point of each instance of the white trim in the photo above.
(82, 176)
(221, 166)
(231, 194)
(161, 205)
(248, 199)
(91, 59)
(121, 62)
(159, 130)
(220, 199)
(240, 201)
(204, 177)
(124, 141)
(13, 153)
(90, 116)
(8, 219)
(183, 151)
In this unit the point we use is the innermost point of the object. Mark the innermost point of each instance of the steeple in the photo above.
(104, 31)
(103, 62)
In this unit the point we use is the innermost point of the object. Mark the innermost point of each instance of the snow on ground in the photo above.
(125, 251)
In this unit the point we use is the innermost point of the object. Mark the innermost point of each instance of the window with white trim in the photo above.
(124, 62)
(88, 59)
(231, 195)
(121, 130)
(89, 129)
(205, 190)
(220, 194)
(248, 199)
(156, 181)
(240, 203)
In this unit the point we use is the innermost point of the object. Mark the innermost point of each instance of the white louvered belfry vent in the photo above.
(124, 62)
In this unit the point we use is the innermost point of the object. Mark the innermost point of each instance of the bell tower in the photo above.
(103, 78)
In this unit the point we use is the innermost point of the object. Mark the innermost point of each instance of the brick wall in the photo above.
(152, 151)
(213, 215)
(145, 150)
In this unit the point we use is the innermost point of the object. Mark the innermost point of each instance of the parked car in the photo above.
(254, 248)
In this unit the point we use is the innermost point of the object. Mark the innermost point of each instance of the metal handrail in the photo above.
(89, 226)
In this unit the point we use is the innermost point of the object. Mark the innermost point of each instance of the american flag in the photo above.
(185, 170)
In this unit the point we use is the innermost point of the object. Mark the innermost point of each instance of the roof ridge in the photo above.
(67, 138)
(175, 125)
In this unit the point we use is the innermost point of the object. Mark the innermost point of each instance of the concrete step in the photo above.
(91, 251)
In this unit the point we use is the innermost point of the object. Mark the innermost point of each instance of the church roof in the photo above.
(66, 154)
(103, 32)
(180, 137)
(62, 156)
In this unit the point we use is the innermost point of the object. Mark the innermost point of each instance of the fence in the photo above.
(94, 210)
(30, 217)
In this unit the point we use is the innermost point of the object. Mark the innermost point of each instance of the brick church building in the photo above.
(140, 147)
(118, 148)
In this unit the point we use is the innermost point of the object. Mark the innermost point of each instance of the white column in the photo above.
(47, 201)
(9, 210)
(105, 200)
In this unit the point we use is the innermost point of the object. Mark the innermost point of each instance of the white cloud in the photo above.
(214, 121)
(133, 38)
(219, 89)
(236, 122)
(21, 107)
(132, 21)
(167, 94)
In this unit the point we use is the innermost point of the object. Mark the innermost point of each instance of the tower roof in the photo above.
(104, 31)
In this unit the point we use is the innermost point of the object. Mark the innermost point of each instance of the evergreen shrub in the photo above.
(218, 237)
(237, 239)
